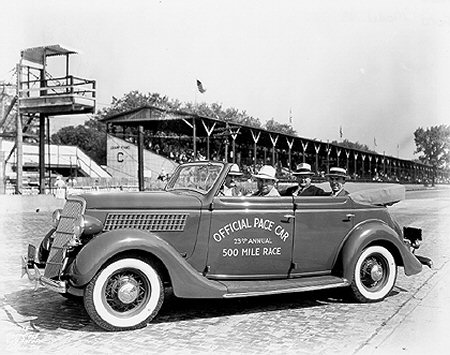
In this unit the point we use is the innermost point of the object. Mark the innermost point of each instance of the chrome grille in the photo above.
(153, 222)
(64, 232)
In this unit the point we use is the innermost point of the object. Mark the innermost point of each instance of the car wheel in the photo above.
(374, 274)
(124, 295)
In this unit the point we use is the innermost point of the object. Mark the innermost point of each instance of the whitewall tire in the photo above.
(124, 295)
(374, 274)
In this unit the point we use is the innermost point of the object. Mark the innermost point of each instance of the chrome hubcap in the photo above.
(373, 273)
(376, 273)
(127, 293)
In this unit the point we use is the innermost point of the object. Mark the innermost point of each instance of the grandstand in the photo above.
(68, 161)
(180, 136)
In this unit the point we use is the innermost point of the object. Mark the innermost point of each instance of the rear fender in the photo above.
(186, 281)
(376, 232)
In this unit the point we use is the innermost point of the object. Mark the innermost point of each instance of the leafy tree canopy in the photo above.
(354, 145)
(90, 138)
(434, 145)
(135, 99)
(274, 126)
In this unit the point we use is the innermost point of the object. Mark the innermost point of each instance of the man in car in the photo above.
(229, 187)
(265, 180)
(336, 178)
(304, 187)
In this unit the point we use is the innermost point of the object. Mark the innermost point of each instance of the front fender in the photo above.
(186, 281)
(376, 232)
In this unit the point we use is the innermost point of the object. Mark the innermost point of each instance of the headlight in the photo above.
(79, 225)
(56, 216)
(78, 229)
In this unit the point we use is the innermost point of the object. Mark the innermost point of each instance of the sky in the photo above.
(378, 69)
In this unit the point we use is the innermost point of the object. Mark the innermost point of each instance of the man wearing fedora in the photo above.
(337, 177)
(304, 187)
(229, 187)
(265, 180)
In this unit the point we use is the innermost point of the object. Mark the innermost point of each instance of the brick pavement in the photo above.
(309, 323)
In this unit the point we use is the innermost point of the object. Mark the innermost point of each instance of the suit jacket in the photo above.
(340, 193)
(310, 191)
(273, 192)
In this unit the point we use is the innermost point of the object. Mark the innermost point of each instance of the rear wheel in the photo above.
(124, 295)
(374, 274)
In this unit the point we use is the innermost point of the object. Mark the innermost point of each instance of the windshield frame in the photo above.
(172, 183)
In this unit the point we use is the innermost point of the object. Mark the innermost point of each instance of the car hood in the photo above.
(140, 200)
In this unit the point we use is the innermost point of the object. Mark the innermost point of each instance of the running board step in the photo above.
(272, 287)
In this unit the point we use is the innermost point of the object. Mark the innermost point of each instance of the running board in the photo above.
(273, 287)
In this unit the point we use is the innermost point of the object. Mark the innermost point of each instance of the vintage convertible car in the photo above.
(118, 251)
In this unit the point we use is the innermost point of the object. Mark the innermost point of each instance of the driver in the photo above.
(229, 187)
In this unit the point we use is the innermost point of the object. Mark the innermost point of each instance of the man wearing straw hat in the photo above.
(229, 187)
(304, 187)
(337, 177)
(265, 180)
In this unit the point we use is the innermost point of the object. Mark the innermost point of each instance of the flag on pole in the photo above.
(290, 115)
(374, 142)
(200, 87)
(340, 131)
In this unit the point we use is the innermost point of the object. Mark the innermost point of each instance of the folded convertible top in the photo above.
(386, 195)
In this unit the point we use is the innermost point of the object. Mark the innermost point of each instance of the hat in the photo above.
(235, 170)
(266, 172)
(338, 172)
(58, 177)
(303, 169)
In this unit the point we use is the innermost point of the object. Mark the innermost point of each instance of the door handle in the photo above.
(348, 217)
(287, 218)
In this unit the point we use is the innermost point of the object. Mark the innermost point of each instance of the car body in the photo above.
(119, 250)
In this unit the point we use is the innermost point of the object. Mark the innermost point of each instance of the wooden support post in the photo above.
(255, 141)
(317, 149)
(290, 143)
(42, 119)
(49, 153)
(140, 142)
(304, 147)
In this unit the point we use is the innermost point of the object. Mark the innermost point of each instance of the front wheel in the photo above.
(374, 274)
(124, 295)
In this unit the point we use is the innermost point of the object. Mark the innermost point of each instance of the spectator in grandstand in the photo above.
(229, 187)
(337, 177)
(304, 187)
(265, 180)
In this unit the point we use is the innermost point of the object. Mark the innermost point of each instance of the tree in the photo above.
(284, 128)
(434, 145)
(90, 138)
(354, 145)
(135, 99)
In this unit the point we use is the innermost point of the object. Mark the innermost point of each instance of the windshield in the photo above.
(199, 177)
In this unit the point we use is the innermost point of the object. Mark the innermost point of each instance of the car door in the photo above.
(321, 224)
(250, 238)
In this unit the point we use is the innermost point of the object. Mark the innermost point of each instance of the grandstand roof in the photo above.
(169, 121)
